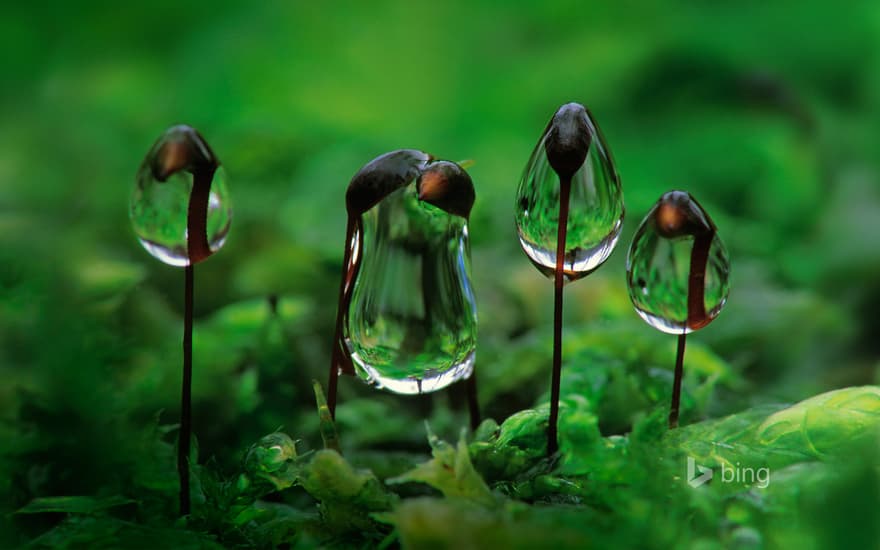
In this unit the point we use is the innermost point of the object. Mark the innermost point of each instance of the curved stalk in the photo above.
(339, 361)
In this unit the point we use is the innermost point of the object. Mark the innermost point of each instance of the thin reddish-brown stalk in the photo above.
(696, 317)
(559, 283)
(183, 443)
(676, 384)
(197, 250)
(337, 359)
(197, 216)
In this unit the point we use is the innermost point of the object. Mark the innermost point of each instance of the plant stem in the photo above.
(331, 390)
(197, 250)
(473, 403)
(337, 360)
(183, 443)
(197, 245)
(559, 282)
(696, 317)
(676, 384)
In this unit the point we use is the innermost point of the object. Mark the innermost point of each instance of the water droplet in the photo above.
(411, 324)
(181, 184)
(677, 268)
(596, 209)
(270, 452)
(269, 464)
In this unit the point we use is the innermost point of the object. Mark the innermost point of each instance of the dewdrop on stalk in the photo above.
(595, 208)
(407, 316)
(163, 199)
(678, 270)
(568, 212)
(180, 211)
(678, 274)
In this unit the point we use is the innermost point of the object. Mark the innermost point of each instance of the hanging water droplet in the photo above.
(596, 209)
(411, 323)
(677, 268)
(180, 185)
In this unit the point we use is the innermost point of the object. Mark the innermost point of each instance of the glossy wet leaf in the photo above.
(731, 441)
(596, 208)
(514, 457)
(512, 448)
(825, 423)
(411, 324)
(179, 163)
(678, 270)
(828, 426)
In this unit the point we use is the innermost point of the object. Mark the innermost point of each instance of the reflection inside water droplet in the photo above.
(411, 324)
(595, 209)
(660, 277)
(159, 204)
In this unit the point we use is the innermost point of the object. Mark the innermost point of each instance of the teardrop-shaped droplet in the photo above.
(411, 324)
(595, 215)
(677, 269)
(180, 185)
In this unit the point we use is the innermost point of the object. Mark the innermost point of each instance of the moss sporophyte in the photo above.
(569, 213)
(407, 318)
(677, 273)
(181, 213)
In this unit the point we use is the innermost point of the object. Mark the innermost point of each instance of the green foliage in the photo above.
(108, 532)
(831, 423)
(450, 472)
(72, 505)
(326, 423)
(595, 492)
(272, 459)
(624, 479)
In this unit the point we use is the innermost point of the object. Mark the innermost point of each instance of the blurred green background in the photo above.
(768, 112)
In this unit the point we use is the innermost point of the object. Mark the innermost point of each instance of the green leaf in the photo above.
(517, 445)
(348, 497)
(823, 427)
(327, 426)
(451, 472)
(273, 459)
(330, 478)
(825, 424)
